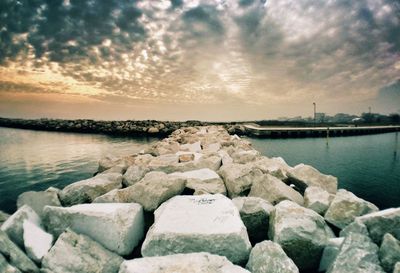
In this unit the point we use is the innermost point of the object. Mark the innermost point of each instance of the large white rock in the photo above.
(345, 207)
(14, 225)
(389, 252)
(15, 257)
(118, 227)
(269, 257)
(5, 267)
(73, 253)
(274, 190)
(179, 263)
(275, 166)
(382, 222)
(108, 162)
(254, 213)
(37, 200)
(304, 176)
(301, 232)
(164, 163)
(330, 253)
(87, 190)
(133, 175)
(37, 241)
(243, 157)
(187, 224)
(358, 254)
(317, 199)
(193, 147)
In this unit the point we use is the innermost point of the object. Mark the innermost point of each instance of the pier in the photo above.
(298, 132)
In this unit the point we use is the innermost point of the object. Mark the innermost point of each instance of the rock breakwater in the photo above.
(200, 200)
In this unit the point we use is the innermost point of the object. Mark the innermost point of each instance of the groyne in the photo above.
(201, 200)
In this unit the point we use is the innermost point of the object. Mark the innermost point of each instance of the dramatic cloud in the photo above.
(206, 58)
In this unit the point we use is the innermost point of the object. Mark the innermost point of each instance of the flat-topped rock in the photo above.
(269, 257)
(274, 190)
(192, 262)
(37, 242)
(275, 166)
(73, 253)
(118, 227)
(345, 207)
(37, 200)
(389, 252)
(243, 157)
(304, 176)
(317, 199)
(87, 190)
(187, 224)
(14, 225)
(301, 232)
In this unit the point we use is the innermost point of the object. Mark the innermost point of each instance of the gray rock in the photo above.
(37, 242)
(73, 253)
(15, 257)
(37, 200)
(3, 217)
(108, 162)
(301, 232)
(274, 190)
(269, 257)
(86, 191)
(358, 254)
(356, 226)
(304, 176)
(193, 262)
(133, 175)
(345, 207)
(14, 225)
(118, 227)
(389, 252)
(382, 222)
(254, 213)
(330, 253)
(317, 199)
(187, 224)
(238, 178)
(5, 267)
(396, 268)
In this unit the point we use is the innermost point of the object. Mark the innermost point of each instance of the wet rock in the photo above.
(330, 253)
(87, 190)
(356, 226)
(133, 175)
(304, 176)
(5, 267)
(382, 222)
(269, 257)
(74, 253)
(317, 199)
(254, 213)
(14, 225)
(37, 242)
(345, 207)
(187, 224)
(389, 252)
(357, 254)
(301, 232)
(37, 200)
(193, 262)
(274, 190)
(118, 227)
(14, 256)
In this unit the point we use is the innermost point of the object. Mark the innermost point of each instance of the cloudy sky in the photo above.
(198, 59)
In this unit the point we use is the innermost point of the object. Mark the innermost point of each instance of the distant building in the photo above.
(320, 117)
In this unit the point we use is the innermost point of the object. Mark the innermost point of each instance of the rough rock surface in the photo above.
(358, 254)
(389, 252)
(301, 232)
(243, 157)
(356, 226)
(345, 207)
(275, 166)
(317, 199)
(330, 253)
(274, 190)
(37, 200)
(269, 257)
(15, 256)
(382, 222)
(304, 176)
(5, 267)
(187, 224)
(108, 162)
(133, 175)
(193, 262)
(73, 253)
(87, 190)
(3, 217)
(37, 241)
(254, 213)
(14, 225)
(118, 227)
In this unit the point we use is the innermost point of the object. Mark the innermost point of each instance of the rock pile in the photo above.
(200, 200)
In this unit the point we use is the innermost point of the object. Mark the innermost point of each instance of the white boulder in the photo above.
(133, 175)
(187, 224)
(275, 166)
(37, 200)
(37, 242)
(317, 199)
(191, 147)
(243, 157)
(118, 227)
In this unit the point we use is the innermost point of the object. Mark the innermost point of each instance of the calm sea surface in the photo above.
(369, 166)
(35, 160)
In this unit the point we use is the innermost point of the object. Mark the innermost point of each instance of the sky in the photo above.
(212, 60)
